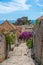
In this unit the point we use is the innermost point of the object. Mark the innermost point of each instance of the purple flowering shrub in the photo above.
(25, 35)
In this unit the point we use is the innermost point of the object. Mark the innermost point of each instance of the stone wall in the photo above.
(42, 52)
(38, 43)
(27, 28)
(2, 47)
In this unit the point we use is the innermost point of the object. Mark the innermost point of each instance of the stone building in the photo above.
(38, 40)
(28, 28)
(2, 47)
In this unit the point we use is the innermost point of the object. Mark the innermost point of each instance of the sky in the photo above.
(13, 9)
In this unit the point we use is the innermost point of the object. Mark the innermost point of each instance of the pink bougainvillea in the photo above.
(25, 35)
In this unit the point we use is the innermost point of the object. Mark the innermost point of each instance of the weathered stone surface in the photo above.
(19, 58)
(2, 47)
(38, 42)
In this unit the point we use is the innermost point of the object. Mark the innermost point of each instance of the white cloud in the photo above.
(41, 13)
(14, 5)
(37, 0)
(39, 4)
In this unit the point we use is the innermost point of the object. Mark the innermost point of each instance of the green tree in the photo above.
(9, 41)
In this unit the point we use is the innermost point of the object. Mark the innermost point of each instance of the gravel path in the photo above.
(19, 57)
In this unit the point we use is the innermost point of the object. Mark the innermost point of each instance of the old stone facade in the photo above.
(27, 28)
(2, 47)
(38, 42)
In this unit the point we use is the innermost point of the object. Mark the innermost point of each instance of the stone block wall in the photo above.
(2, 47)
(38, 43)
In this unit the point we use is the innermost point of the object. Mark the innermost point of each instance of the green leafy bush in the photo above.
(38, 22)
(29, 43)
(9, 39)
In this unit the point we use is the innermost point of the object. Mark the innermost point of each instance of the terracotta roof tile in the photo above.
(3, 28)
(8, 25)
(39, 18)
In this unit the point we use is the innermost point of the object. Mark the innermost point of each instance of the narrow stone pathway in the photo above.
(19, 56)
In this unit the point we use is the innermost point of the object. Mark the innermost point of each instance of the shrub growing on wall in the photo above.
(29, 43)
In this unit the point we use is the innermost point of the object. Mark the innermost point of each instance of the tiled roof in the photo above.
(8, 25)
(39, 18)
(3, 28)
